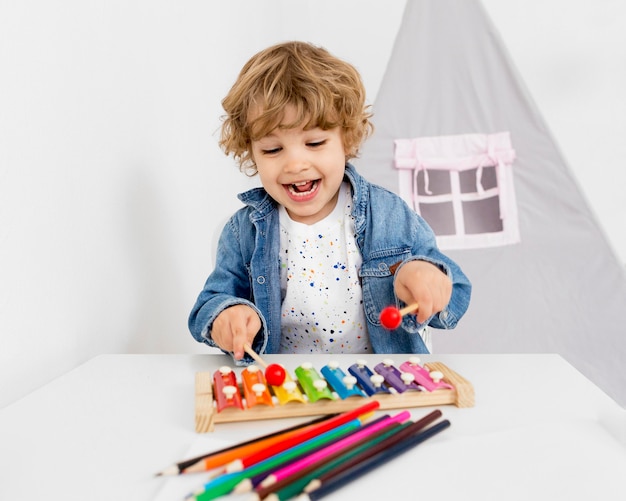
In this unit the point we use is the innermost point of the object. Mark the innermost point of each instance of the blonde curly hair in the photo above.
(325, 91)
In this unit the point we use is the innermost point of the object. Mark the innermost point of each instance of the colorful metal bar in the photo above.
(343, 384)
(370, 383)
(314, 386)
(288, 391)
(396, 379)
(226, 389)
(431, 381)
(254, 387)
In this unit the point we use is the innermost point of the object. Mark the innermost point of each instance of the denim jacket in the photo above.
(388, 233)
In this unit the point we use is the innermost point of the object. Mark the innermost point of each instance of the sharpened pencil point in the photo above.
(269, 480)
(243, 486)
(170, 470)
(234, 466)
(312, 485)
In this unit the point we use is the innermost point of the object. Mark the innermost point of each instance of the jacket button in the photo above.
(260, 280)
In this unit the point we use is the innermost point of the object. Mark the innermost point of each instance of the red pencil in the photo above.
(345, 458)
(296, 439)
(318, 456)
(225, 456)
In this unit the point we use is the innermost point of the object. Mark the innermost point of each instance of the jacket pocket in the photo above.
(377, 277)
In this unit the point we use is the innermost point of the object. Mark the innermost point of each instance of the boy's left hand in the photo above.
(423, 283)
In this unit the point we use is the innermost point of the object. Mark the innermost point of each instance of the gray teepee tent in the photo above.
(556, 288)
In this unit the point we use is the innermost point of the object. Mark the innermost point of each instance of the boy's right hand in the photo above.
(235, 326)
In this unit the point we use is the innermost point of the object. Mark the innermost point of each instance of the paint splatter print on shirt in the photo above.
(322, 308)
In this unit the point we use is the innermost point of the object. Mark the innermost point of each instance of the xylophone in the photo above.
(221, 397)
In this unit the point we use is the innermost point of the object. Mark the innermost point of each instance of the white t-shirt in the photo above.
(322, 302)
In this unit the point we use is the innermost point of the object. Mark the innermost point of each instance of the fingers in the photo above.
(239, 337)
(234, 327)
(425, 310)
(423, 283)
(421, 296)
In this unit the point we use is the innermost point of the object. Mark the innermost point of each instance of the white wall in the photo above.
(112, 187)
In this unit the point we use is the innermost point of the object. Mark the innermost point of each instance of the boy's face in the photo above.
(301, 169)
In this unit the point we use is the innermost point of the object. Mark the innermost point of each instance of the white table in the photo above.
(539, 430)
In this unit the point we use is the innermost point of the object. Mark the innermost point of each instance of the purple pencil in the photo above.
(294, 467)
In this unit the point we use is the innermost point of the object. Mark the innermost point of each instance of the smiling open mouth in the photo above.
(303, 188)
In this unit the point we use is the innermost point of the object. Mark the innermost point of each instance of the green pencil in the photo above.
(289, 488)
(227, 482)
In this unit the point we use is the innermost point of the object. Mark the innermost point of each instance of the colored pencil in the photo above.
(318, 456)
(295, 484)
(360, 456)
(223, 456)
(225, 483)
(247, 461)
(366, 447)
(250, 483)
(350, 475)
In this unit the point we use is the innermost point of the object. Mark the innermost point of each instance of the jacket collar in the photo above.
(263, 205)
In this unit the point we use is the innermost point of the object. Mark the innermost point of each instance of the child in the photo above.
(317, 252)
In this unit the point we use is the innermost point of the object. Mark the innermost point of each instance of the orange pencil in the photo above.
(299, 437)
(221, 457)
(224, 458)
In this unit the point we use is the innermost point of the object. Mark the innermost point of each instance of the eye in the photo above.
(316, 144)
(271, 151)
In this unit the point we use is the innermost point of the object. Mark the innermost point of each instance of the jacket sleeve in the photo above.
(426, 249)
(409, 230)
(227, 285)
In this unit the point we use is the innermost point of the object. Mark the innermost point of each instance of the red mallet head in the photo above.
(390, 317)
(275, 374)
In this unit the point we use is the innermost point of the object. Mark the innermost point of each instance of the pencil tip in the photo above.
(243, 487)
(172, 470)
(234, 466)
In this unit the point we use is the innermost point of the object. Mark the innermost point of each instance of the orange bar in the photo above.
(255, 387)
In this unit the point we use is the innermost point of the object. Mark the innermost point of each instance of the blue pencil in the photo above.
(360, 469)
(225, 483)
(252, 482)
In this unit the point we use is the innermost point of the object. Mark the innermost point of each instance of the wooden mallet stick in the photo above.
(391, 317)
(274, 373)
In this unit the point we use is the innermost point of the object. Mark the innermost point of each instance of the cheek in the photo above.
(266, 176)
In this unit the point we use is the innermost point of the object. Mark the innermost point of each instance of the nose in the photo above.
(296, 161)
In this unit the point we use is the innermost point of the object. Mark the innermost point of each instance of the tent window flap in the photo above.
(462, 185)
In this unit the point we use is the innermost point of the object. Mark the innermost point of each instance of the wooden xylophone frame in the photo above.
(207, 416)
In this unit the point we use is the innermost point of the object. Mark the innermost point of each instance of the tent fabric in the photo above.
(561, 289)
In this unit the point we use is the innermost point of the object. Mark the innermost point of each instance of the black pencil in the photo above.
(180, 467)
(348, 457)
(360, 469)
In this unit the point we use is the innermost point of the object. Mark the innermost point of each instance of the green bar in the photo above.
(307, 377)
